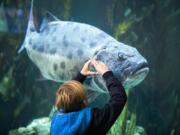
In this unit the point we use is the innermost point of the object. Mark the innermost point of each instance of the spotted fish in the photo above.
(60, 48)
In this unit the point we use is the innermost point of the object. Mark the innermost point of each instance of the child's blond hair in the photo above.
(71, 96)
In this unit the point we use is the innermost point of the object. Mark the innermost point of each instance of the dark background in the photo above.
(152, 26)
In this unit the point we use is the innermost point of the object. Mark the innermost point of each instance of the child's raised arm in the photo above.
(104, 118)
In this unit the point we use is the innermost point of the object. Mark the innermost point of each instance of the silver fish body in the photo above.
(61, 48)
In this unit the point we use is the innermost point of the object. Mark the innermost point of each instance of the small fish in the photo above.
(60, 48)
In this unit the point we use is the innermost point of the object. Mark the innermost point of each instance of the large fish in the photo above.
(60, 48)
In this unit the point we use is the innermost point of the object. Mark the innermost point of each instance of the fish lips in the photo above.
(137, 76)
(141, 68)
(140, 73)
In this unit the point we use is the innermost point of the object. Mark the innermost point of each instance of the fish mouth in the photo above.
(140, 69)
(137, 76)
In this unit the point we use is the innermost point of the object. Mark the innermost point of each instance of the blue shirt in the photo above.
(72, 123)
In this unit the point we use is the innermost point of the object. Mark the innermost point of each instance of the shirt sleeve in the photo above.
(104, 118)
(79, 77)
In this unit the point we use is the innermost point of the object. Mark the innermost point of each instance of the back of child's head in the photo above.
(71, 96)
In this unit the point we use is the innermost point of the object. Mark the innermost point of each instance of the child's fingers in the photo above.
(88, 61)
(94, 62)
(100, 62)
(92, 73)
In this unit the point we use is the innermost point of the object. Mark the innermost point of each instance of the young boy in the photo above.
(74, 118)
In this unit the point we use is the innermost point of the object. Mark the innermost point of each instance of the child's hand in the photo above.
(100, 67)
(85, 70)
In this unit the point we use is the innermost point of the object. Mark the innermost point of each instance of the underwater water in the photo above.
(153, 106)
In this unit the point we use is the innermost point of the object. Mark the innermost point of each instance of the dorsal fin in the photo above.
(30, 27)
(49, 17)
(54, 18)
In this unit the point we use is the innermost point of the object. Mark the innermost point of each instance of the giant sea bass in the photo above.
(60, 48)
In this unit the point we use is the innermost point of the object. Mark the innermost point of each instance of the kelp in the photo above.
(125, 125)
(6, 86)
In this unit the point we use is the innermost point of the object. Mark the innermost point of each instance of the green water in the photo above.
(150, 26)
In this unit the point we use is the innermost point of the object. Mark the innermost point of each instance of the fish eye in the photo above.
(121, 56)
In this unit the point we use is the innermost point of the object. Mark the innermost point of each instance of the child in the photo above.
(74, 118)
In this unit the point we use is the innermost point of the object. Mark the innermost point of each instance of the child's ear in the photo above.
(84, 103)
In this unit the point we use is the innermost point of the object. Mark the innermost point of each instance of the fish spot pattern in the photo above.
(92, 44)
(52, 51)
(34, 46)
(83, 39)
(62, 75)
(40, 48)
(62, 65)
(55, 66)
(79, 52)
(69, 56)
(65, 42)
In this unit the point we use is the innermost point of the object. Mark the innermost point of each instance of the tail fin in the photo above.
(30, 28)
